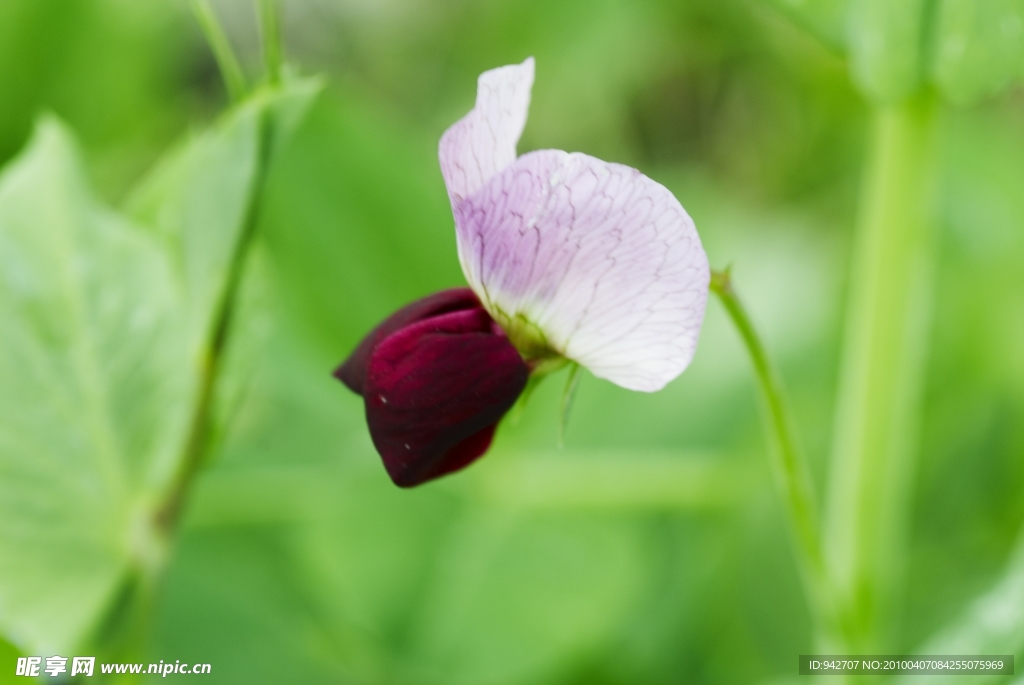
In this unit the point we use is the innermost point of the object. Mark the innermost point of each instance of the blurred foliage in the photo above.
(118, 72)
(979, 47)
(297, 560)
(887, 46)
(93, 422)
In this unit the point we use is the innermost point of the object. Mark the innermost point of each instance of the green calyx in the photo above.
(529, 339)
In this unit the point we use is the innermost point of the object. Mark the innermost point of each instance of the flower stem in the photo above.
(882, 373)
(790, 469)
(270, 30)
(227, 62)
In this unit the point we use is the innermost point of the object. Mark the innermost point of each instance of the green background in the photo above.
(653, 548)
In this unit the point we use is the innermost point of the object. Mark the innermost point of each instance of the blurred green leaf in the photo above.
(825, 19)
(979, 47)
(993, 624)
(8, 662)
(289, 107)
(120, 74)
(106, 327)
(94, 399)
(886, 46)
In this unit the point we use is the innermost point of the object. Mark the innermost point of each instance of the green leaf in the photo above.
(95, 396)
(979, 47)
(825, 19)
(107, 328)
(886, 42)
(8, 663)
(290, 106)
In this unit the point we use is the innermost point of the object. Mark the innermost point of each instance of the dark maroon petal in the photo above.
(435, 390)
(353, 371)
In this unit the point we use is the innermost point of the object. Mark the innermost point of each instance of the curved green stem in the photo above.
(227, 62)
(792, 475)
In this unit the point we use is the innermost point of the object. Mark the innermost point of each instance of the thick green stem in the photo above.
(882, 374)
(227, 62)
(790, 469)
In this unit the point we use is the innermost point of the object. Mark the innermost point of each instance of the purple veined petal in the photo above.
(352, 371)
(435, 390)
(482, 143)
(602, 260)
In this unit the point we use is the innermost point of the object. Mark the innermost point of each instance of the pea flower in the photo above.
(568, 258)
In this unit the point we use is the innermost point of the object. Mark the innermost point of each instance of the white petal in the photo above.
(483, 142)
(603, 260)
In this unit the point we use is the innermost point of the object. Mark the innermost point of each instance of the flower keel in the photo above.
(435, 384)
(353, 371)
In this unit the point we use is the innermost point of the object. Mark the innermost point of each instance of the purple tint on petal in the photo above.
(602, 259)
(434, 392)
(353, 371)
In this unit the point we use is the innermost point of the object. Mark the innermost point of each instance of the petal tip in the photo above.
(482, 143)
(455, 459)
(348, 376)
